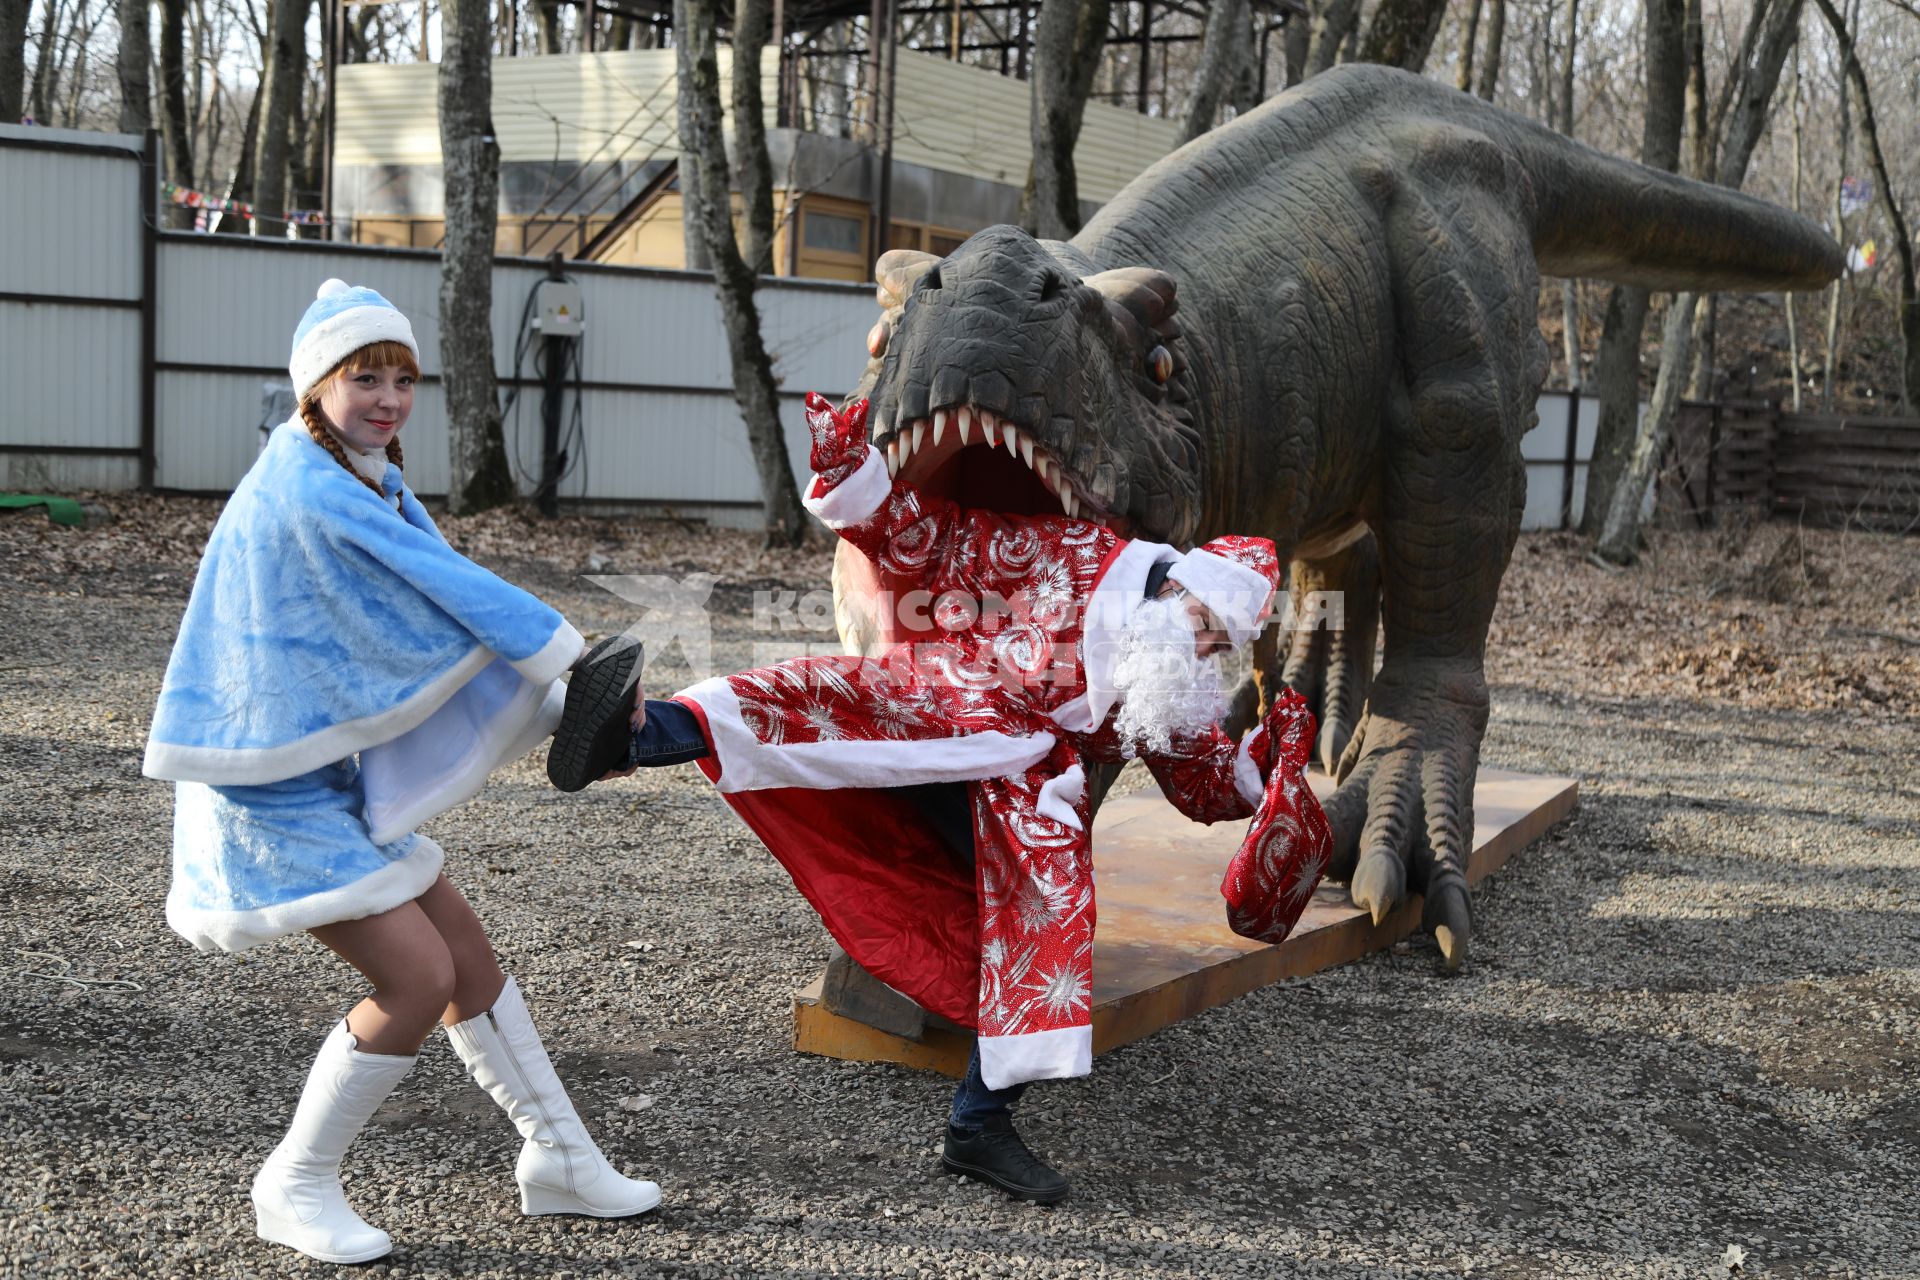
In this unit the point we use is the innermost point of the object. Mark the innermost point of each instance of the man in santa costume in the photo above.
(932, 803)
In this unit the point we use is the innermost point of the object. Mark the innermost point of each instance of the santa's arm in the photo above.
(853, 494)
(1208, 777)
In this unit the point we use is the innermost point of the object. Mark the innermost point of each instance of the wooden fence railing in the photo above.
(1828, 469)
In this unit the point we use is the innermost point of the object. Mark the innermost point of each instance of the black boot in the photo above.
(996, 1154)
(595, 731)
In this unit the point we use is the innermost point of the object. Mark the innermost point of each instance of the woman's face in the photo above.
(369, 407)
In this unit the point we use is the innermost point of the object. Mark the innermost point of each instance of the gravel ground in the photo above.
(1691, 1019)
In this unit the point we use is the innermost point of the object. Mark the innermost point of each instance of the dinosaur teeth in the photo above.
(1026, 450)
(939, 425)
(919, 434)
(964, 420)
(1043, 468)
(1011, 434)
(1069, 503)
(893, 457)
(990, 428)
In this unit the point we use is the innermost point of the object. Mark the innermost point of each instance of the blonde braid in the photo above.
(324, 437)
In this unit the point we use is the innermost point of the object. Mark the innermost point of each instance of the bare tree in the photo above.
(135, 60)
(1402, 32)
(285, 77)
(1469, 34)
(754, 389)
(1617, 362)
(1226, 40)
(1620, 533)
(176, 128)
(546, 14)
(1496, 41)
(1569, 289)
(478, 477)
(13, 59)
(753, 168)
(1067, 43)
(1332, 23)
(1902, 238)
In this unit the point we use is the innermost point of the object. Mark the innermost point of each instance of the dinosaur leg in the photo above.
(1453, 485)
(1335, 617)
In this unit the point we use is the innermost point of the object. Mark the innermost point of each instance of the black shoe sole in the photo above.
(594, 729)
(1013, 1189)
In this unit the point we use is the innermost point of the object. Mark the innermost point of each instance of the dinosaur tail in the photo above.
(1603, 217)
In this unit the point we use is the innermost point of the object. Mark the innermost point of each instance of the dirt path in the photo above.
(1692, 1017)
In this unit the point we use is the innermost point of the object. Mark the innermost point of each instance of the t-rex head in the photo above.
(1010, 375)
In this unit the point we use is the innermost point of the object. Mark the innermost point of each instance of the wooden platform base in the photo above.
(1164, 952)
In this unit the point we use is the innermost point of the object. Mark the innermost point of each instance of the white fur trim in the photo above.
(1059, 796)
(1114, 597)
(1233, 593)
(220, 767)
(171, 762)
(445, 760)
(748, 764)
(383, 890)
(1059, 1054)
(854, 499)
(1246, 775)
(337, 337)
(554, 658)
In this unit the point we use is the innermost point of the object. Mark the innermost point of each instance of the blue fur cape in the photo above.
(324, 622)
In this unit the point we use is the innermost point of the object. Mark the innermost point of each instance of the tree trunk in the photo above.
(1295, 39)
(752, 27)
(753, 386)
(1569, 289)
(176, 125)
(1620, 531)
(1402, 32)
(1496, 42)
(285, 76)
(1902, 239)
(13, 60)
(1793, 327)
(1333, 22)
(477, 474)
(240, 186)
(135, 67)
(1691, 317)
(41, 94)
(1220, 51)
(1469, 34)
(1617, 368)
(546, 17)
(1067, 41)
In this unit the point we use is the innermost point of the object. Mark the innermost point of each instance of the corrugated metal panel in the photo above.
(65, 473)
(571, 107)
(972, 120)
(71, 375)
(48, 250)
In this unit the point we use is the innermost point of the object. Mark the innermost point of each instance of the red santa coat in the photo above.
(1012, 695)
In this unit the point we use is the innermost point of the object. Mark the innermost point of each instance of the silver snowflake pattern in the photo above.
(1049, 592)
(1039, 903)
(1060, 994)
(1306, 874)
(894, 714)
(824, 722)
(764, 722)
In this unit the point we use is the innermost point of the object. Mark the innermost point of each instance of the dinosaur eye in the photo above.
(877, 339)
(1160, 364)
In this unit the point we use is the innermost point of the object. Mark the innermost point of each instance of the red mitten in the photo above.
(1272, 877)
(839, 439)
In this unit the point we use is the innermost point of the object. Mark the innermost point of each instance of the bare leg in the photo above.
(403, 955)
(477, 978)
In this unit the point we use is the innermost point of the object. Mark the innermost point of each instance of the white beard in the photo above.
(1166, 689)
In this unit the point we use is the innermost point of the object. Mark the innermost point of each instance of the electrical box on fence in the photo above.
(557, 309)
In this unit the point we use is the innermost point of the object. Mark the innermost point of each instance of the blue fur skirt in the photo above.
(253, 863)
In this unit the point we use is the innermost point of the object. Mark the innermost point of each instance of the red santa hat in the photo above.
(1235, 577)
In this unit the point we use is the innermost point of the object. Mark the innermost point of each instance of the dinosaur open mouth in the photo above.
(978, 458)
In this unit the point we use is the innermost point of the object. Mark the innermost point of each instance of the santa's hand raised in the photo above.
(839, 438)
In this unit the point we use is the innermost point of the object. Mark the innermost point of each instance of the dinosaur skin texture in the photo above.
(1316, 324)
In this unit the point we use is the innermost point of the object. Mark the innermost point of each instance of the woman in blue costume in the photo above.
(342, 675)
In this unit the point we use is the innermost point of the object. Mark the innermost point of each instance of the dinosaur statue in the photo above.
(1316, 324)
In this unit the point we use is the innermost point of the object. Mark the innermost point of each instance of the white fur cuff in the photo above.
(854, 499)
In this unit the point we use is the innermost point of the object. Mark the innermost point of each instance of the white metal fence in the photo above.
(134, 357)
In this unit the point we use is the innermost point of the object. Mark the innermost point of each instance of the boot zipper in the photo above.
(566, 1157)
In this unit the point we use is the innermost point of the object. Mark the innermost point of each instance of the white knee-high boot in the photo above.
(297, 1198)
(560, 1170)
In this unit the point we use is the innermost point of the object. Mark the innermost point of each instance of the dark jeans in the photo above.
(672, 736)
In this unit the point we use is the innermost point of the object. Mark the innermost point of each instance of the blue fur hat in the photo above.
(342, 319)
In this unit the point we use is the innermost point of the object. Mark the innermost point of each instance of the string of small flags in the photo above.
(187, 197)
